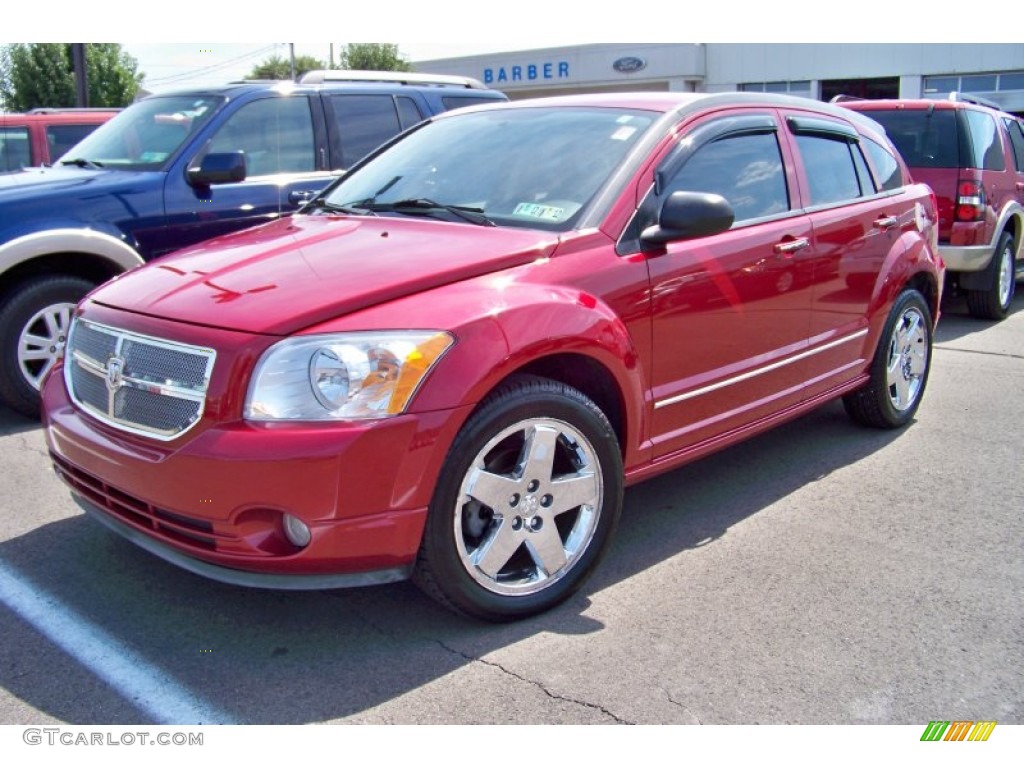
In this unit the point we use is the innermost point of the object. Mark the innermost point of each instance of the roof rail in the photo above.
(970, 98)
(57, 110)
(839, 98)
(405, 78)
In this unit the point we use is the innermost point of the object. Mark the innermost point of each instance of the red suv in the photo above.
(41, 136)
(450, 363)
(972, 156)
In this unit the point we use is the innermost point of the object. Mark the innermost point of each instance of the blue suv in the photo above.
(177, 168)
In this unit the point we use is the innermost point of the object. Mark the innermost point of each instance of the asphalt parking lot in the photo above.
(822, 573)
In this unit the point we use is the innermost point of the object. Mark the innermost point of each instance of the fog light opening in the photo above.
(296, 531)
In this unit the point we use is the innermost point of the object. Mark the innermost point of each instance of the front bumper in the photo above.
(213, 500)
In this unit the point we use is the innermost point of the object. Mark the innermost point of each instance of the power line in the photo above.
(211, 68)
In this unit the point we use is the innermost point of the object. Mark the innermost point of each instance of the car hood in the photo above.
(48, 182)
(294, 273)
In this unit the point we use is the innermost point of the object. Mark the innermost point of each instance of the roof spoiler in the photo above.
(970, 98)
(404, 78)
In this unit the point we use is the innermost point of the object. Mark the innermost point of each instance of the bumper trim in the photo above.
(243, 578)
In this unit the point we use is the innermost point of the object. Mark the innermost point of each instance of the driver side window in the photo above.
(275, 134)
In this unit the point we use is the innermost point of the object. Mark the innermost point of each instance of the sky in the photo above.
(158, 39)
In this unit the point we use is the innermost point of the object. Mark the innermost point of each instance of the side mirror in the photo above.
(218, 168)
(686, 215)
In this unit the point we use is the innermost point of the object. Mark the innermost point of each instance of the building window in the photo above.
(1003, 81)
(792, 87)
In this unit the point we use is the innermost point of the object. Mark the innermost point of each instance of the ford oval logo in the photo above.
(629, 64)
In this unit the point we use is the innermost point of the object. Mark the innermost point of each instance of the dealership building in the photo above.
(820, 71)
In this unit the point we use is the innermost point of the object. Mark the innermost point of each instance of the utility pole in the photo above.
(292, 47)
(81, 74)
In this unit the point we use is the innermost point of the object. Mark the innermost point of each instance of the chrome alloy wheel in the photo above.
(42, 340)
(1006, 274)
(528, 507)
(907, 362)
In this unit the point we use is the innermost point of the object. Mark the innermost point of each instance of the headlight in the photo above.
(365, 375)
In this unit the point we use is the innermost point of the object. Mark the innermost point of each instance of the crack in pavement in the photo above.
(682, 706)
(1010, 355)
(543, 689)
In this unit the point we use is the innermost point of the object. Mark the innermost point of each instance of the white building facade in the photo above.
(820, 71)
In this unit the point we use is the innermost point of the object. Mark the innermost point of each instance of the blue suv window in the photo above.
(365, 121)
(276, 135)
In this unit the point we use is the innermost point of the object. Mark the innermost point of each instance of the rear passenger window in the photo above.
(988, 153)
(364, 122)
(886, 166)
(746, 170)
(831, 172)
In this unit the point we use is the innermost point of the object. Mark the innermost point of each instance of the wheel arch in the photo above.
(92, 255)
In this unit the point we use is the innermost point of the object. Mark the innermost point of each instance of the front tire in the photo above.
(899, 369)
(528, 498)
(34, 323)
(993, 301)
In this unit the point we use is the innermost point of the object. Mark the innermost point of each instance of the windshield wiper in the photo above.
(321, 204)
(416, 205)
(81, 162)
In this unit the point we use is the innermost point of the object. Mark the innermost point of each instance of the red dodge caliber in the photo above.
(449, 364)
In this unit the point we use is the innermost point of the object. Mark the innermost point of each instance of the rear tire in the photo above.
(993, 301)
(34, 322)
(899, 370)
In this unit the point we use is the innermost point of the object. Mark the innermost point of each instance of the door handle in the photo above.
(787, 248)
(886, 222)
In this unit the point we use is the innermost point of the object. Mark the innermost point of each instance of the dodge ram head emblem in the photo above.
(115, 373)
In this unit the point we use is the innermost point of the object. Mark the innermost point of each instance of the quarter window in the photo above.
(886, 166)
(746, 170)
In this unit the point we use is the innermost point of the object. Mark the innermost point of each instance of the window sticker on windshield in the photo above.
(624, 133)
(548, 212)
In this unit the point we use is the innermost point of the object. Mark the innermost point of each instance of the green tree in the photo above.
(42, 75)
(379, 57)
(278, 68)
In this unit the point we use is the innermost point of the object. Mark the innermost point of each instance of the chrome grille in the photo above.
(137, 383)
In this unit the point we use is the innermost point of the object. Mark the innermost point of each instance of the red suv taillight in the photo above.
(970, 201)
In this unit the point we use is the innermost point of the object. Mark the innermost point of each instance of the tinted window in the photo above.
(1013, 128)
(364, 122)
(61, 138)
(275, 134)
(926, 139)
(745, 170)
(886, 166)
(988, 153)
(14, 149)
(409, 112)
(831, 172)
(454, 102)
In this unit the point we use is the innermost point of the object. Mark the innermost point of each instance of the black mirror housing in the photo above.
(686, 215)
(218, 168)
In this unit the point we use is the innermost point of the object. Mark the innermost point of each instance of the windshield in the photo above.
(532, 167)
(146, 135)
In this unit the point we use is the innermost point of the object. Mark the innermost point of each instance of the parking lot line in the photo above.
(141, 683)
